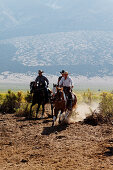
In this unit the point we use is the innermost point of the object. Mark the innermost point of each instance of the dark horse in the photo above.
(41, 96)
(60, 103)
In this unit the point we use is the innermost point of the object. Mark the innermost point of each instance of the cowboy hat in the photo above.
(40, 71)
(66, 72)
(62, 71)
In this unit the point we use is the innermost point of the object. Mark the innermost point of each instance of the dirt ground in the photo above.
(35, 145)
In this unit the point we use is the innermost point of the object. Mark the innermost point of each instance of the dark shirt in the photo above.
(42, 81)
(59, 79)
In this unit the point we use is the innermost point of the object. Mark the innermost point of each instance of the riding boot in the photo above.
(69, 104)
(69, 101)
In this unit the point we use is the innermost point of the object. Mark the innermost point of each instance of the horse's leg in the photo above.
(43, 109)
(30, 114)
(62, 110)
(67, 113)
(54, 119)
(55, 116)
(37, 110)
(59, 121)
(33, 103)
(52, 110)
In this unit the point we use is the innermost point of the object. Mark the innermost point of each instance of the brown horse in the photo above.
(60, 103)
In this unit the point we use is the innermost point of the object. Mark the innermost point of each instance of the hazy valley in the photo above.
(82, 53)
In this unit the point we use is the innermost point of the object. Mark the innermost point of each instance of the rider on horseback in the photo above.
(62, 75)
(42, 82)
(66, 83)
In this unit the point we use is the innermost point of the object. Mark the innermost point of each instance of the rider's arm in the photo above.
(47, 81)
(71, 83)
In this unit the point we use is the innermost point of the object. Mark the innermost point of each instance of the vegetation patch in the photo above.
(13, 102)
(20, 102)
(105, 114)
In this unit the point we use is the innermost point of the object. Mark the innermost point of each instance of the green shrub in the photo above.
(106, 104)
(23, 110)
(0, 101)
(87, 97)
(11, 102)
(0, 97)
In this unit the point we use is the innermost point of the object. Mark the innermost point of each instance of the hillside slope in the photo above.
(87, 53)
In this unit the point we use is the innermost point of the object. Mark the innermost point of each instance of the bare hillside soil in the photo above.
(35, 145)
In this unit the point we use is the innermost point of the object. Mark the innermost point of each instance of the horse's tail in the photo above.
(74, 100)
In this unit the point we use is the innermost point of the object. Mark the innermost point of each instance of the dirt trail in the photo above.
(35, 145)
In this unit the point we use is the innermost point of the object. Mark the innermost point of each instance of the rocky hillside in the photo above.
(87, 53)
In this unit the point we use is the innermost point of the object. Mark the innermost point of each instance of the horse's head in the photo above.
(59, 101)
(32, 87)
(55, 88)
(59, 95)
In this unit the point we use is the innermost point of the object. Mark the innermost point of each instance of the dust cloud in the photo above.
(82, 111)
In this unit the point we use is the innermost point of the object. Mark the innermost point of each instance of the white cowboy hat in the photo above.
(66, 72)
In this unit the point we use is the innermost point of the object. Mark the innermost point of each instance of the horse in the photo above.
(61, 104)
(41, 96)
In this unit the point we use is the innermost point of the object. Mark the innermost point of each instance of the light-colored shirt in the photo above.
(65, 82)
